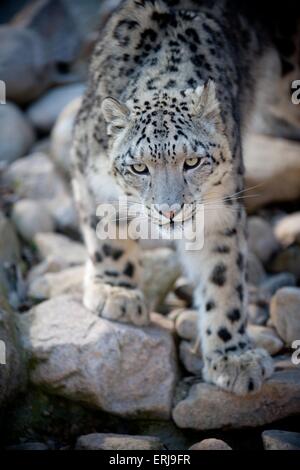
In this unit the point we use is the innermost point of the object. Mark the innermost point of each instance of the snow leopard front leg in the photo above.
(112, 274)
(218, 272)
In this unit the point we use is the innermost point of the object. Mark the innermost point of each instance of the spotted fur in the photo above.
(170, 81)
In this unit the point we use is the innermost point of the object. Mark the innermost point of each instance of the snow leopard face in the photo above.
(167, 148)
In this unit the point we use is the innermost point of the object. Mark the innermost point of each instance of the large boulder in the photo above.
(16, 133)
(32, 217)
(118, 368)
(205, 406)
(285, 313)
(101, 441)
(35, 177)
(269, 176)
(25, 64)
(44, 112)
(281, 440)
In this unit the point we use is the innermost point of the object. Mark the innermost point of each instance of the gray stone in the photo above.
(35, 177)
(190, 356)
(115, 367)
(60, 247)
(287, 260)
(24, 64)
(266, 338)
(208, 407)
(16, 133)
(256, 272)
(35, 17)
(12, 364)
(101, 441)
(10, 257)
(61, 136)
(281, 440)
(287, 229)
(269, 177)
(261, 238)
(184, 291)
(44, 112)
(285, 313)
(32, 217)
(64, 212)
(273, 283)
(257, 314)
(52, 284)
(210, 444)
(187, 324)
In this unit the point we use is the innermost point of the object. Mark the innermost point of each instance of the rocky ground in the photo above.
(73, 380)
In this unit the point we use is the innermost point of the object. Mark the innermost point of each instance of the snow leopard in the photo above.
(172, 86)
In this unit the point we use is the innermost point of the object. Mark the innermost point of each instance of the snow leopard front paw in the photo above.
(241, 373)
(117, 303)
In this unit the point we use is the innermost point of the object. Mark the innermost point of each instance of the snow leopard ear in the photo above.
(115, 114)
(206, 105)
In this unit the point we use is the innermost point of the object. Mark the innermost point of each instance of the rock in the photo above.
(281, 440)
(61, 136)
(101, 441)
(269, 177)
(35, 177)
(210, 444)
(67, 281)
(23, 55)
(190, 357)
(56, 246)
(184, 291)
(9, 243)
(12, 367)
(287, 229)
(44, 112)
(31, 217)
(287, 260)
(208, 407)
(64, 212)
(261, 238)
(16, 133)
(264, 337)
(285, 313)
(28, 446)
(10, 257)
(256, 272)
(122, 369)
(63, 29)
(187, 324)
(273, 283)
(161, 268)
(257, 314)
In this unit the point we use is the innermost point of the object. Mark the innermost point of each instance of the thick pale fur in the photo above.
(171, 81)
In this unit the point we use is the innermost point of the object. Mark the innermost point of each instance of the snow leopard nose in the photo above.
(167, 211)
(169, 214)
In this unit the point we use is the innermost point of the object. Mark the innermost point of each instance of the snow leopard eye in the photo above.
(191, 163)
(140, 169)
